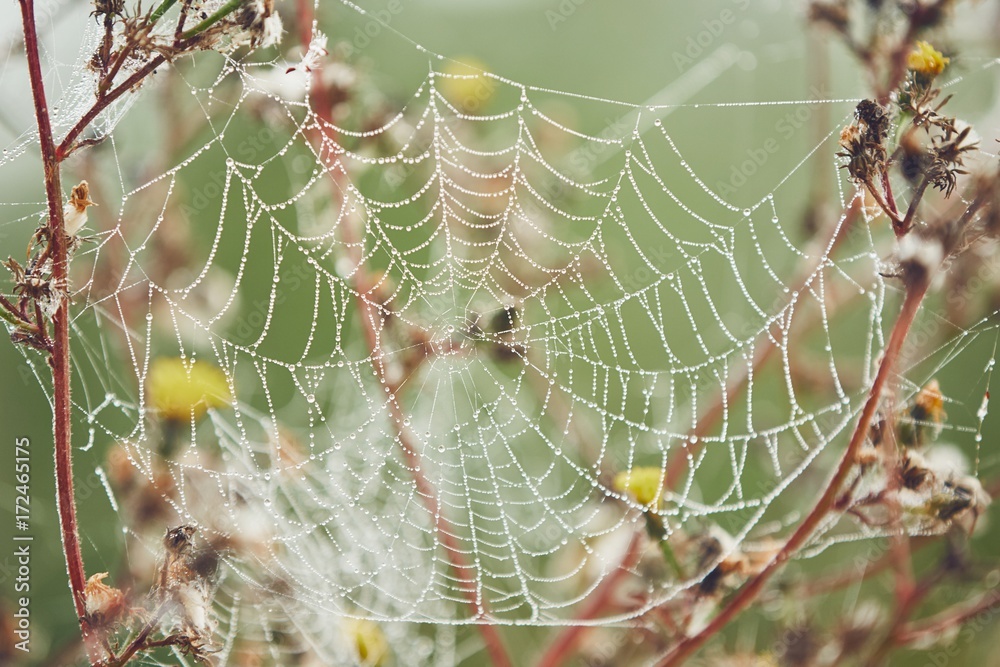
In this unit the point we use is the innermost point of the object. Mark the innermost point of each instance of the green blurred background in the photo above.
(637, 52)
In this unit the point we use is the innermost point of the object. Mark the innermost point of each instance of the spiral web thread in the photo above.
(634, 296)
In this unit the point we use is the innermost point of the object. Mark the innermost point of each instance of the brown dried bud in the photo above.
(105, 606)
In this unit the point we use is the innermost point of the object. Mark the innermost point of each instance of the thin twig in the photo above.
(562, 648)
(936, 625)
(68, 145)
(748, 593)
(369, 317)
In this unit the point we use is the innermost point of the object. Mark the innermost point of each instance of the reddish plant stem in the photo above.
(748, 593)
(371, 319)
(67, 145)
(59, 359)
(935, 625)
(899, 541)
(564, 645)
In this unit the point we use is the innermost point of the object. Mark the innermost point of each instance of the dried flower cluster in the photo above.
(36, 294)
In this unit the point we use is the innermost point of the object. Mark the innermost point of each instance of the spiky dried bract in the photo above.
(106, 606)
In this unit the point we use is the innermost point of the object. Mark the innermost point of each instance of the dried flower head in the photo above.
(960, 499)
(75, 210)
(261, 23)
(108, 8)
(314, 55)
(179, 389)
(105, 606)
(947, 153)
(863, 142)
(929, 404)
(926, 60)
(924, 418)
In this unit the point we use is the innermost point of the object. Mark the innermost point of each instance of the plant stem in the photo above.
(68, 145)
(369, 316)
(221, 13)
(59, 359)
(161, 10)
(935, 625)
(748, 593)
(562, 648)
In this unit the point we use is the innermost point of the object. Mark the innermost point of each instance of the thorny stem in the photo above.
(905, 607)
(369, 315)
(59, 358)
(899, 541)
(915, 292)
(889, 210)
(11, 314)
(112, 72)
(914, 203)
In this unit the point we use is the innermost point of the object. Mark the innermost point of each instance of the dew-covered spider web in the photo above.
(448, 326)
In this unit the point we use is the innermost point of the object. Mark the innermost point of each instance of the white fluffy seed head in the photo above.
(272, 31)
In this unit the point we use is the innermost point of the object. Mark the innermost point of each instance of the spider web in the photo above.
(446, 333)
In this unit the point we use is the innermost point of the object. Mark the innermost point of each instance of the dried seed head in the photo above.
(75, 210)
(105, 606)
(864, 141)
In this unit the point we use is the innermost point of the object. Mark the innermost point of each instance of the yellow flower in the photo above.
(927, 60)
(645, 484)
(368, 641)
(179, 388)
(467, 85)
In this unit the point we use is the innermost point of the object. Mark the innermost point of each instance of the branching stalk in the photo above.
(59, 358)
(748, 593)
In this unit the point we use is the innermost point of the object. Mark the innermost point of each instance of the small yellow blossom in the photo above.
(645, 484)
(369, 641)
(926, 60)
(178, 388)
